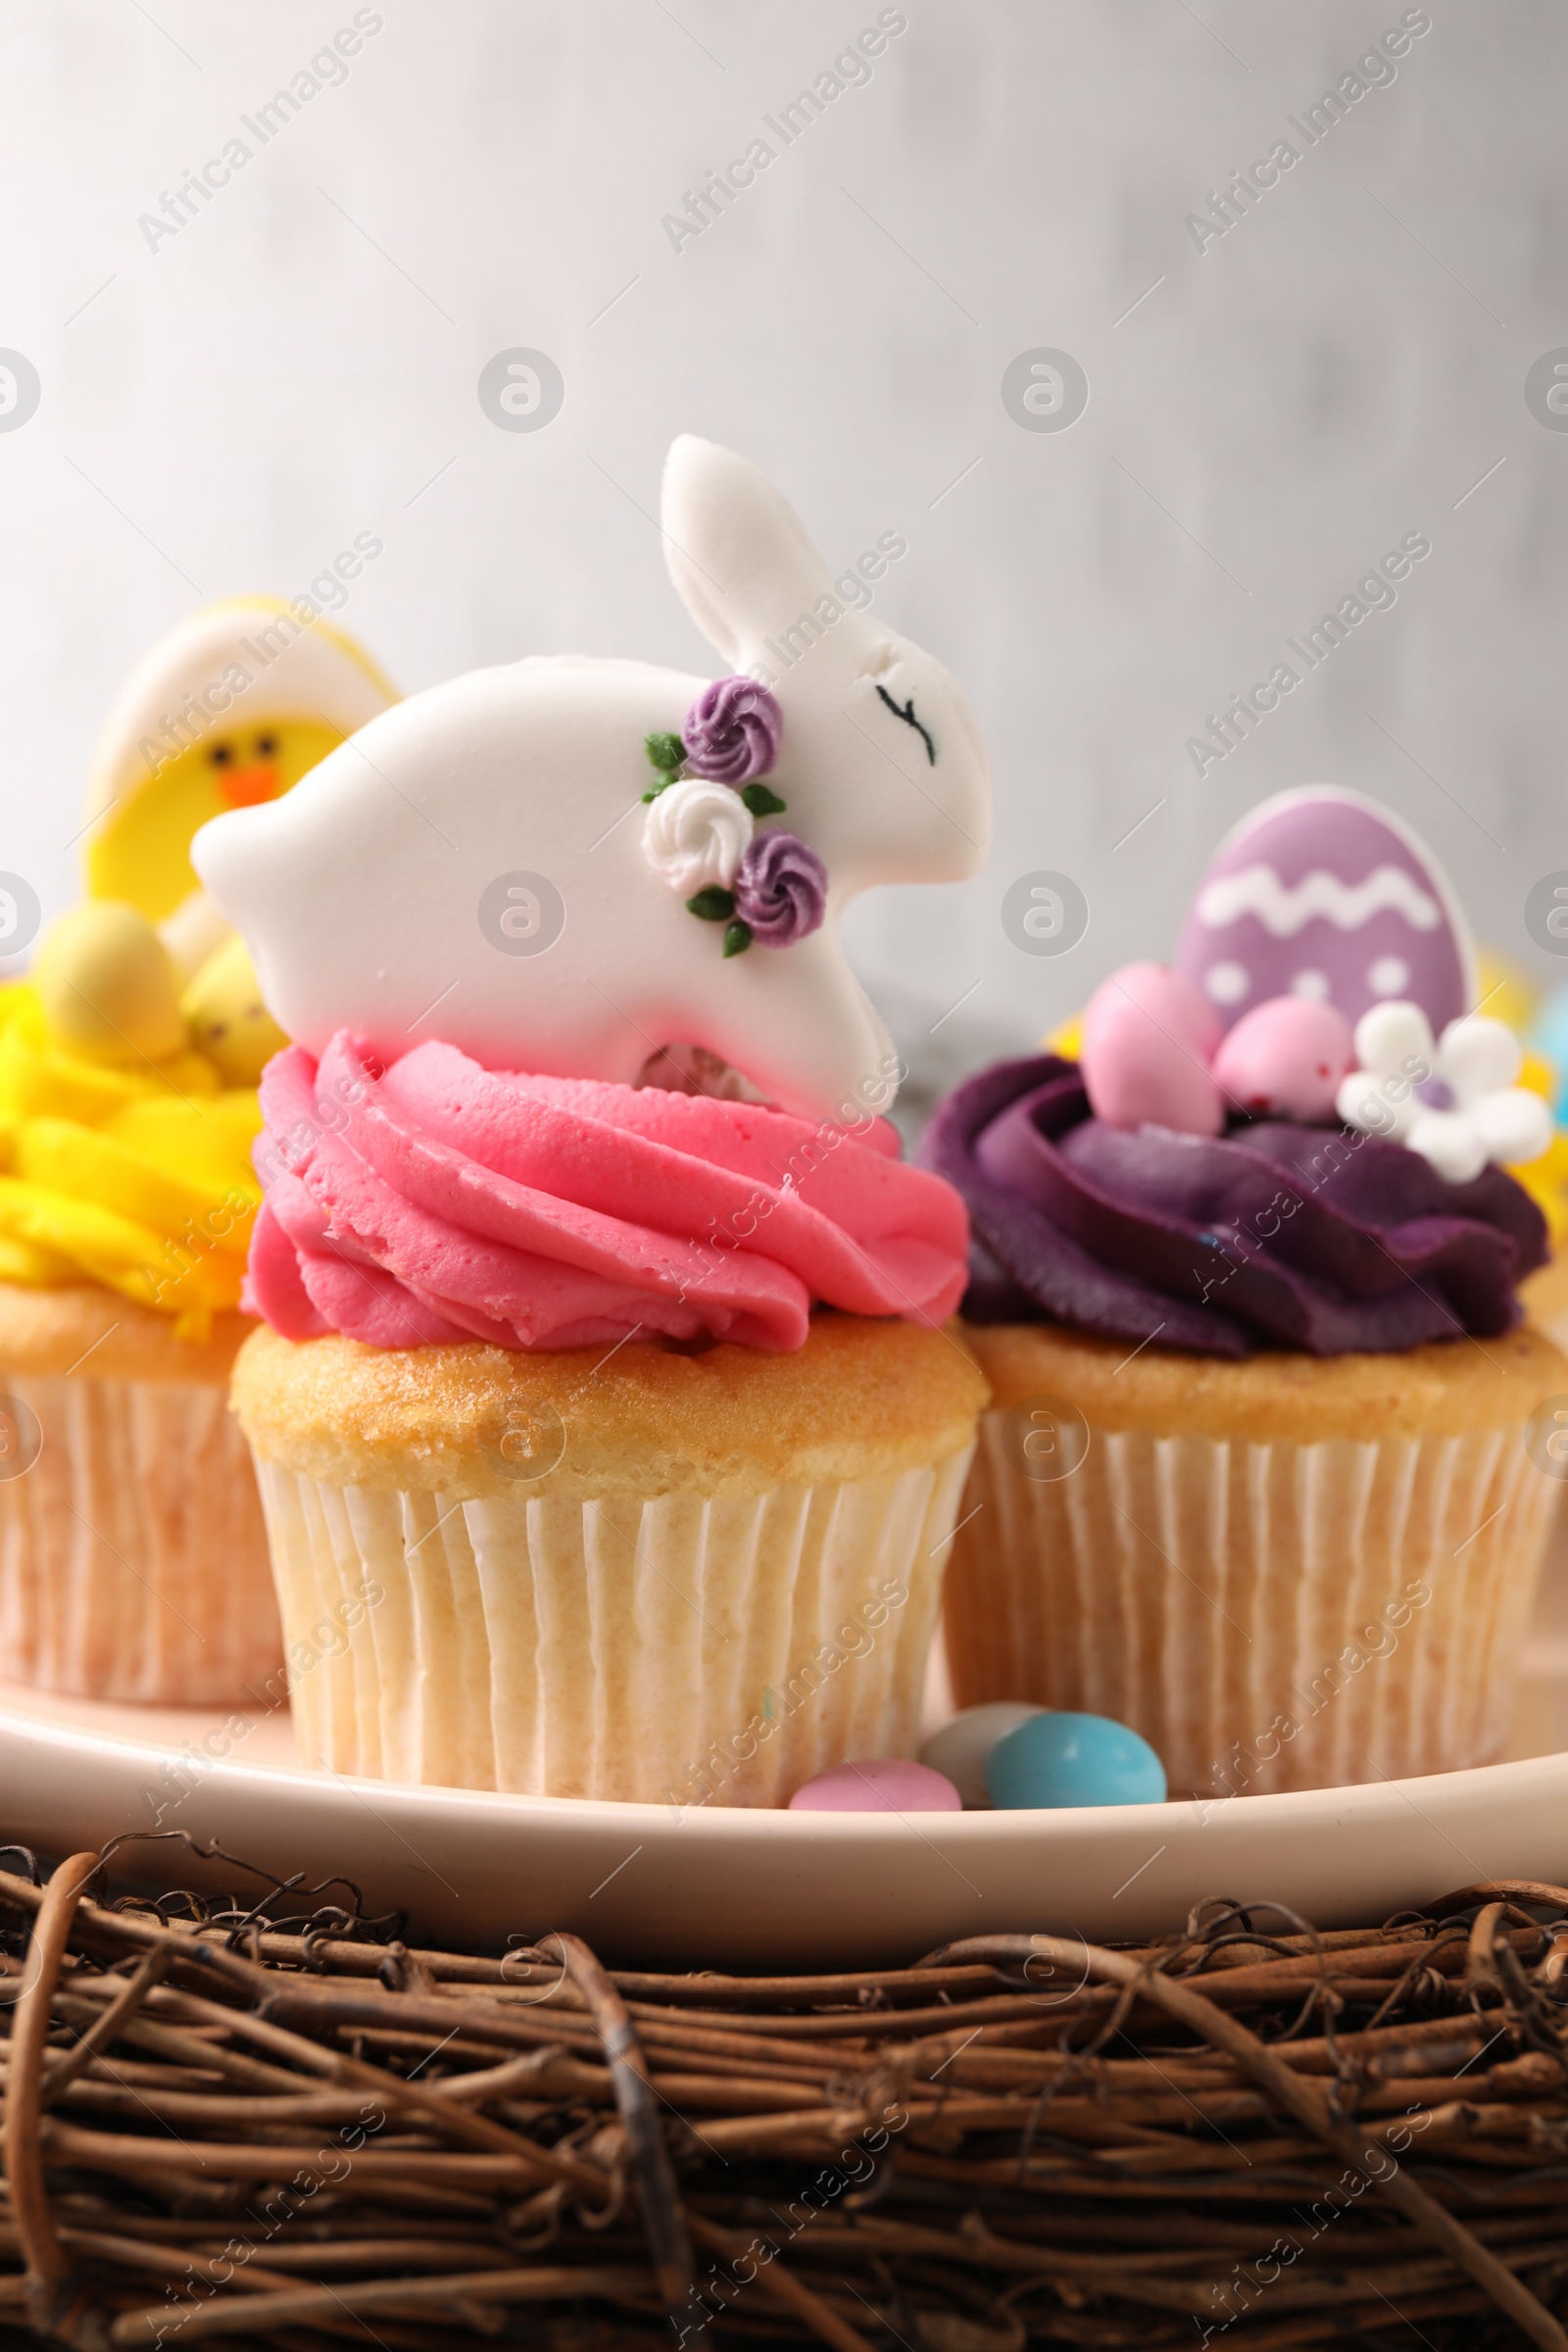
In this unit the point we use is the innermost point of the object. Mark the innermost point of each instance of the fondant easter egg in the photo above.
(877, 1785)
(1149, 1035)
(1063, 1759)
(1284, 1059)
(1320, 893)
(961, 1748)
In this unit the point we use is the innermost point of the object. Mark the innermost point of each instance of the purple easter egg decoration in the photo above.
(1320, 893)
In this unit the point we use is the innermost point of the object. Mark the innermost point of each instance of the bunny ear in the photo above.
(741, 562)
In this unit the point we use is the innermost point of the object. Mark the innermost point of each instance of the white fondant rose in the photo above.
(696, 836)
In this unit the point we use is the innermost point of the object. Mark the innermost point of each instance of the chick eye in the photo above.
(905, 712)
(221, 753)
(266, 746)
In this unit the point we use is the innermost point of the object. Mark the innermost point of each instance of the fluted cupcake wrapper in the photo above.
(1268, 1616)
(134, 1560)
(675, 1649)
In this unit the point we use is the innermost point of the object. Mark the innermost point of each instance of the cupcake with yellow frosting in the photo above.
(132, 1554)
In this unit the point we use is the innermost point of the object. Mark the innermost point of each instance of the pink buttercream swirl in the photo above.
(434, 1201)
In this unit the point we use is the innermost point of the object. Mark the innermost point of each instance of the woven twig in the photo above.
(224, 2121)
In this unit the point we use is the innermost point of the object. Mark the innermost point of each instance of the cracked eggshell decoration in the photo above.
(363, 893)
(1320, 893)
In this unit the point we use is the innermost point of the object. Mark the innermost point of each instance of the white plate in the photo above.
(778, 1889)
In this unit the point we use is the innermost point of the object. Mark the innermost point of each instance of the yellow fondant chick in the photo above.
(231, 708)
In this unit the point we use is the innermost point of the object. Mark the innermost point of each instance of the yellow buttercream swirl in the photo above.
(136, 1176)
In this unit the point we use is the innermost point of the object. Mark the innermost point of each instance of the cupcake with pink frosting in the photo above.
(603, 1396)
(1260, 1477)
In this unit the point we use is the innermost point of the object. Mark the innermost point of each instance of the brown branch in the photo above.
(292, 2304)
(1507, 1890)
(776, 2280)
(106, 2028)
(663, 2217)
(29, 2035)
(1298, 2096)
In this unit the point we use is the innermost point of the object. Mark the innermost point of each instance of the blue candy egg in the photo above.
(1549, 1035)
(1060, 1759)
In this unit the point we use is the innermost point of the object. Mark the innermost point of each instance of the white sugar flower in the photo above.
(696, 835)
(1480, 1115)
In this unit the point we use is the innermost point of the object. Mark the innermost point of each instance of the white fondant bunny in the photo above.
(359, 893)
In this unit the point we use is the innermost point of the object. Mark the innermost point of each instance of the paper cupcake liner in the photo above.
(132, 1551)
(1268, 1616)
(676, 1649)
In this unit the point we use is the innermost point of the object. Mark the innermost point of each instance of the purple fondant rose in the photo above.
(781, 889)
(732, 731)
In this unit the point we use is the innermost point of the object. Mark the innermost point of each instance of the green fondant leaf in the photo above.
(654, 790)
(714, 904)
(737, 939)
(761, 801)
(664, 751)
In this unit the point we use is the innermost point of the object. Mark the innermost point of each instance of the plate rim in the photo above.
(1444, 1790)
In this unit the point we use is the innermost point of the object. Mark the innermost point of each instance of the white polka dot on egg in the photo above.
(1390, 976)
(1227, 983)
(1310, 984)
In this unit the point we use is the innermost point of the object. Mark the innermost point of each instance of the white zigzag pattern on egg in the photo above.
(1285, 908)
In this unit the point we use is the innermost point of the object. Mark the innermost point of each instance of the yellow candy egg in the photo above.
(106, 986)
(228, 1022)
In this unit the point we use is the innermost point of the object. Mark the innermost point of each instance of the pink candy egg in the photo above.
(877, 1785)
(1284, 1059)
(1147, 1037)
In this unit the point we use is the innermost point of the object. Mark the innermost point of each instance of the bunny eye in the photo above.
(905, 712)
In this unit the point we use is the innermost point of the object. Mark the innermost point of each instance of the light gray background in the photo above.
(300, 363)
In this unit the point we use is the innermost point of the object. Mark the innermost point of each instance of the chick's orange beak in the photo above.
(243, 787)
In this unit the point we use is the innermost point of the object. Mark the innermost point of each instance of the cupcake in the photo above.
(1257, 1478)
(605, 1398)
(132, 1552)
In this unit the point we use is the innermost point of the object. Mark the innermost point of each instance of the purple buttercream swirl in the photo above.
(732, 731)
(1270, 1235)
(781, 889)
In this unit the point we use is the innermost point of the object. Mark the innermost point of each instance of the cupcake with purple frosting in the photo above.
(1261, 1478)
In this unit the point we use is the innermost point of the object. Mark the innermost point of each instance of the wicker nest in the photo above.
(275, 2124)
